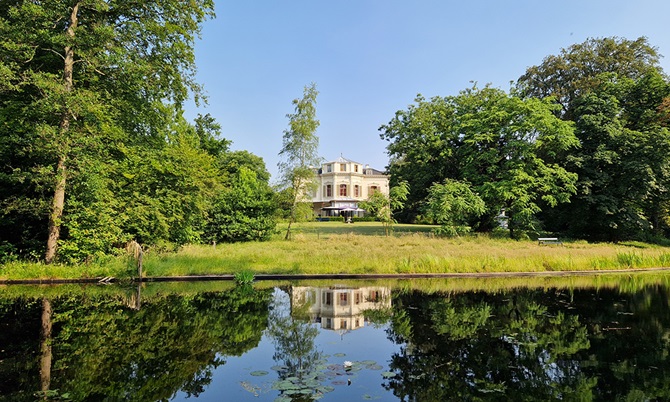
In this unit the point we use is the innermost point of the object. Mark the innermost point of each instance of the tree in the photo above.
(299, 151)
(81, 77)
(382, 206)
(165, 192)
(616, 93)
(453, 204)
(623, 161)
(244, 210)
(505, 146)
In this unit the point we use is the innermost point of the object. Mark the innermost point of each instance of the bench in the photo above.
(548, 240)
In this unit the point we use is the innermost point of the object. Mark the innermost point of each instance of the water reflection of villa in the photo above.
(339, 308)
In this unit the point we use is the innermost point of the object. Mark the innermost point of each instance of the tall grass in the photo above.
(334, 247)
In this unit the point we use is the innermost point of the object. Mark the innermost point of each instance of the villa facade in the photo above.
(342, 184)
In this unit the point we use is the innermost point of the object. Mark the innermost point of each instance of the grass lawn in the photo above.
(336, 247)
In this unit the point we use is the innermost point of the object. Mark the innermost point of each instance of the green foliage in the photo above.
(622, 163)
(504, 146)
(209, 133)
(565, 77)
(381, 206)
(243, 211)
(88, 89)
(452, 205)
(616, 93)
(166, 192)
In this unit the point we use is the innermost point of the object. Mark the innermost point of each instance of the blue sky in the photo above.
(370, 58)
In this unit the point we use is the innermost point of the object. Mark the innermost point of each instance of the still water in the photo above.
(598, 338)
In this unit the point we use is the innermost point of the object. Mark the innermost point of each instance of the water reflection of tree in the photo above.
(532, 345)
(299, 363)
(20, 323)
(102, 349)
(630, 341)
(485, 347)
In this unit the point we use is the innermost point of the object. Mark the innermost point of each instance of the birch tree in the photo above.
(299, 152)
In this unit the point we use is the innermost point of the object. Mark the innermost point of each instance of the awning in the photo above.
(350, 209)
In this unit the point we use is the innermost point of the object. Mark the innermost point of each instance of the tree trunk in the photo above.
(61, 172)
(45, 346)
(56, 211)
(296, 193)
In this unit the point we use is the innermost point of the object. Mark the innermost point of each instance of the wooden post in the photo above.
(135, 250)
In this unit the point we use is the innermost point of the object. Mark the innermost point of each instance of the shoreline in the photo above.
(272, 277)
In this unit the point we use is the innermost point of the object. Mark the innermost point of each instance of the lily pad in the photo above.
(326, 388)
(259, 373)
(339, 354)
(388, 374)
(285, 386)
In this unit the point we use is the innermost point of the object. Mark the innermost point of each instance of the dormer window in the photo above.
(329, 168)
(343, 167)
(356, 168)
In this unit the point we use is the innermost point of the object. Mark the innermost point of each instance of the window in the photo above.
(329, 190)
(357, 297)
(356, 168)
(343, 167)
(372, 190)
(329, 168)
(343, 323)
(343, 190)
(357, 190)
(344, 300)
(375, 295)
(327, 299)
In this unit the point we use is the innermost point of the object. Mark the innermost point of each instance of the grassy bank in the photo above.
(335, 247)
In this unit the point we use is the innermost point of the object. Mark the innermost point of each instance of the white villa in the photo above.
(342, 184)
(340, 308)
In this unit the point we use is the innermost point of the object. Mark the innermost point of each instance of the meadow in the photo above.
(362, 248)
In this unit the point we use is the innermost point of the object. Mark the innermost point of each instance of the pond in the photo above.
(598, 338)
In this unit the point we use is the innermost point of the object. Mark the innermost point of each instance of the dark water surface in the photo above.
(597, 338)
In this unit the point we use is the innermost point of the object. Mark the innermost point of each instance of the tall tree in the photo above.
(623, 163)
(506, 147)
(615, 91)
(82, 76)
(300, 151)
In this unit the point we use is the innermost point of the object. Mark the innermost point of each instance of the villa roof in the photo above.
(342, 159)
